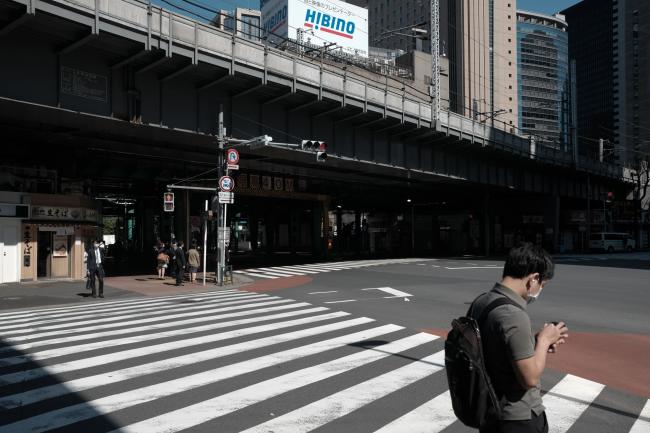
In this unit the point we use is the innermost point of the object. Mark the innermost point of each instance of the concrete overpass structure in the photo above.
(121, 92)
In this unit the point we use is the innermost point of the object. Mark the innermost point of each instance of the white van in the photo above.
(611, 242)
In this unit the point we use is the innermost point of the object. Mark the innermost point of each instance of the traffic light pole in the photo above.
(221, 235)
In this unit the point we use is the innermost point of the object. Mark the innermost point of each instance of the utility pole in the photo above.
(221, 250)
(435, 60)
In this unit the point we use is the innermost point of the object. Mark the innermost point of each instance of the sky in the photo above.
(543, 6)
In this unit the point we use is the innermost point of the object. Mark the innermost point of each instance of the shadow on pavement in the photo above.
(21, 409)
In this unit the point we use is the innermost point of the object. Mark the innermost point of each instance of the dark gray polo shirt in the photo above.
(507, 336)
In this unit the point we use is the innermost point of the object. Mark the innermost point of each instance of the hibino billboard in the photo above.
(324, 21)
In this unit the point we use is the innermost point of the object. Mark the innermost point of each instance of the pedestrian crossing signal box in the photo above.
(168, 202)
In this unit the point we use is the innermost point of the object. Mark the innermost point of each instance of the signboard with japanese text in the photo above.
(323, 21)
(267, 183)
(226, 197)
(64, 213)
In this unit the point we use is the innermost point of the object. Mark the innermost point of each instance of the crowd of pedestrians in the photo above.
(175, 261)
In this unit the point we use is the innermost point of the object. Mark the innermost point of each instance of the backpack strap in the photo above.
(501, 300)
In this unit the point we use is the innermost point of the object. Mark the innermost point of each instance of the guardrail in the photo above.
(165, 29)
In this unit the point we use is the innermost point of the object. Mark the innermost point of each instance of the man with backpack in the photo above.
(494, 361)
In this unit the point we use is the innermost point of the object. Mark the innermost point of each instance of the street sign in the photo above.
(232, 167)
(226, 183)
(232, 157)
(168, 202)
(226, 197)
(224, 234)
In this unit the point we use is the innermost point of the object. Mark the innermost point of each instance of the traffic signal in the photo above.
(168, 202)
(320, 147)
(610, 195)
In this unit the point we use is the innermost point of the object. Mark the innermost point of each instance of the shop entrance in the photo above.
(53, 255)
(44, 266)
(8, 254)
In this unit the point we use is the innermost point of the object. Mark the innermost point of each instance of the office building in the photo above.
(591, 45)
(631, 88)
(543, 71)
(480, 41)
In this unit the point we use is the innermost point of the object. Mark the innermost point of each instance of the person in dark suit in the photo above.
(179, 263)
(96, 267)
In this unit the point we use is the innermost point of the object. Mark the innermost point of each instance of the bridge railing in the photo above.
(212, 45)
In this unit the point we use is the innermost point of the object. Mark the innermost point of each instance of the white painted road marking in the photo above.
(161, 379)
(81, 384)
(642, 424)
(341, 301)
(319, 413)
(567, 400)
(432, 417)
(93, 361)
(209, 409)
(396, 293)
(318, 293)
(475, 267)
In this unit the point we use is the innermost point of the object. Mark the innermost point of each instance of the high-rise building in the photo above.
(478, 37)
(390, 23)
(543, 75)
(482, 47)
(609, 43)
(591, 45)
(631, 67)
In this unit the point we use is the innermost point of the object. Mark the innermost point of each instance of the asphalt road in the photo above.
(337, 347)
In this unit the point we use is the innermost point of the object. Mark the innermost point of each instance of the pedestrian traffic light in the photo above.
(168, 202)
(320, 147)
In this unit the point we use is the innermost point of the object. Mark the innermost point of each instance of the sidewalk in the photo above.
(49, 293)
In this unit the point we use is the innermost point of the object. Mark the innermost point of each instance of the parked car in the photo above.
(610, 242)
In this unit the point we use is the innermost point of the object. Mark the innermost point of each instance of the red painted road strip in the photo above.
(277, 284)
(616, 360)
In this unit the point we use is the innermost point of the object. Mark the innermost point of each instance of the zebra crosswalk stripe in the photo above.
(87, 347)
(111, 322)
(136, 311)
(85, 383)
(255, 274)
(10, 316)
(273, 271)
(321, 412)
(227, 403)
(314, 268)
(172, 322)
(642, 424)
(79, 364)
(567, 400)
(151, 374)
(432, 417)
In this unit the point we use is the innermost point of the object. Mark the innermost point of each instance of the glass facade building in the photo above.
(543, 78)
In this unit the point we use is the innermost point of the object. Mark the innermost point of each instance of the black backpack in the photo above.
(472, 395)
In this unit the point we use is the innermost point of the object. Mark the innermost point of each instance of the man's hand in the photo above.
(553, 335)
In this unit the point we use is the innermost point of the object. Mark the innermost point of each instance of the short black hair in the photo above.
(525, 259)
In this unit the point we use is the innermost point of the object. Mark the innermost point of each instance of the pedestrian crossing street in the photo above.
(317, 268)
(237, 361)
